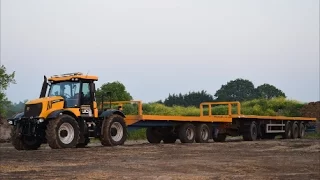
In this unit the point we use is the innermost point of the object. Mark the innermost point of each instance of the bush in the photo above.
(263, 107)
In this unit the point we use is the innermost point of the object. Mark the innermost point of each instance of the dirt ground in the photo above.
(270, 159)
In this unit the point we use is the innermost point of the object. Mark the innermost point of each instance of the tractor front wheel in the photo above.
(24, 142)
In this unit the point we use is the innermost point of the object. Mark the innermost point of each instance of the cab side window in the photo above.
(86, 95)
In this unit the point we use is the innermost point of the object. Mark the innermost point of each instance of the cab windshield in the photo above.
(69, 90)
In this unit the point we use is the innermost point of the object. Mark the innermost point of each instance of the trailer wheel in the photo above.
(288, 131)
(169, 139)
(302, 130)
(269, 136)
(220, 137)
(295, 130)
(202, 133)
(114, 131)
(264, 135)
(63, 132)
(187, 133)
(24, 142)
(251, 132)
(153, 136)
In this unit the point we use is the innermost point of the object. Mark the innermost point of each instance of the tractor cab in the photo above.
(77, 91)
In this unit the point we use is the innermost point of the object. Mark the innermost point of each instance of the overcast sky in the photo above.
(159, 47)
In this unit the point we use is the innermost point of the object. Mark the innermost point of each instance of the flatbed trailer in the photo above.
(204, 127)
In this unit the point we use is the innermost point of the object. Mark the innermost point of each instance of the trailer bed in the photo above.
(132, 119)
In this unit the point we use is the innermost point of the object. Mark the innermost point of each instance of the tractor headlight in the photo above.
(40, 120)
(10, 122)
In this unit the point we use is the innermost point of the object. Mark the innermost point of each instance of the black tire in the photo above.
(24, 142)
(202, 133)
(169, 139)
(114, 131)
(219, 137)
(295, 130)
(264, 135)
(251, 132)
(302, 130)
(288, 131)
(63, 132)
(268, 136)
(153, 136)
(86, 142)
(187, 133)
(84, 132)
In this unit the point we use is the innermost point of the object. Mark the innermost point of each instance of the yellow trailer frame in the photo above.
(204, 127)
(131, 119)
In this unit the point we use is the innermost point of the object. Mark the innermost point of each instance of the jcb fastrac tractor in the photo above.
(66, 115)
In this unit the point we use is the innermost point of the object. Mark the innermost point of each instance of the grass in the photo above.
(137, 134)
(312, 135)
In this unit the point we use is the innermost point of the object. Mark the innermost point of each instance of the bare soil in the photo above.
(235, 159)
(5, 130)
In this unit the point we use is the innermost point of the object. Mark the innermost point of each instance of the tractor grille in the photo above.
(32, 110)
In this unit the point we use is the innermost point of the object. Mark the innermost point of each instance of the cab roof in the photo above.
(72, 76)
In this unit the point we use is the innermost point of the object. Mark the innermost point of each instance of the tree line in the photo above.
(234, 90)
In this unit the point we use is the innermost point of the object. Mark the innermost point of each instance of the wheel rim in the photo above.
(66, 133)
(189, 133)
(204, 134)
(116, 131)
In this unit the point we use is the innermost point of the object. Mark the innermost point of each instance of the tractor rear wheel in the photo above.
(24, 142)
(63, 132)
(114, 131)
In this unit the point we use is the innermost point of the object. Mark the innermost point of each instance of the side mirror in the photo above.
(44, 87)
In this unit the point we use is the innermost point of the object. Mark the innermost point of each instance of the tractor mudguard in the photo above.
(17, 116)
(56, 113)
(109, 112)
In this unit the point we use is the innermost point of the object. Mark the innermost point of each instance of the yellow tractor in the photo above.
(66, 116)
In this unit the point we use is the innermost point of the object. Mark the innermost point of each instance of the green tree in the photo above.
(267, 91)
(190, 99)
(5, 80)
(118, 92)
(236, 90)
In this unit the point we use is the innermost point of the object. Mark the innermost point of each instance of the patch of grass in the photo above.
(137, 134)
(313, 135)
